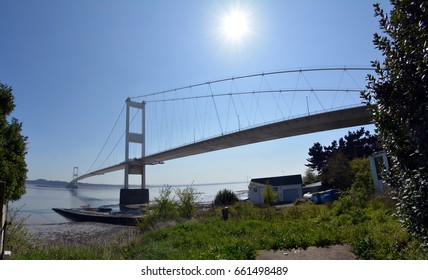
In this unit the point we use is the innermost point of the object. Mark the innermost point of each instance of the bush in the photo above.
(399, 95)
(166, 210)
(165, 207)
(225, 197)
(270, 197)
(188, 198)
(362, 176)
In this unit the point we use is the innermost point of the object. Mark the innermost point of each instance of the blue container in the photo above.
(324, 197)
(317, 198)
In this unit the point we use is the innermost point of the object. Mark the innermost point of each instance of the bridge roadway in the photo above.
(348, 117)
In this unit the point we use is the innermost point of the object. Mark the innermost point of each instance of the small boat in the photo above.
(100, 215)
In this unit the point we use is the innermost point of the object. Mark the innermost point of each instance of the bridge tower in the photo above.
(133, 167)
(75, 172)
(73, 183)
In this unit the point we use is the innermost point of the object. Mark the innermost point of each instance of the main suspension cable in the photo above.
(108, 138)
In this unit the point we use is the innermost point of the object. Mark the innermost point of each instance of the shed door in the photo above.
(290, 195)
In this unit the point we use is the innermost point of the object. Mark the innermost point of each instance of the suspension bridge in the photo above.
(226, 113)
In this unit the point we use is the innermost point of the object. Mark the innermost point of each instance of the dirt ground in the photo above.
(335, 252)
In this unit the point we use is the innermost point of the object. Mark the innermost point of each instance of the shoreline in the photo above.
(80, 233)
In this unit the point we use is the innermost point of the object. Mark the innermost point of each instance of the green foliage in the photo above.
(166, 210)
(337, 172)
(309, 176)
(399, 95)
(225, 197)
(163, 210)
(354, 145)
(187, 204)
(13, 147)
(17, 237)
(270, 197)
(368, 224)
(365, 223)
(364, 220)
(362, 176)
(165, 207)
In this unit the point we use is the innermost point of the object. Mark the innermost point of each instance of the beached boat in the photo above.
(100, 215)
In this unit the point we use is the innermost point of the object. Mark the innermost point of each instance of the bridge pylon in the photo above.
(75, 172)
(133, 167)
(73, 184)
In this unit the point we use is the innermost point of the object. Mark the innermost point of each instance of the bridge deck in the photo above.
(303, 125)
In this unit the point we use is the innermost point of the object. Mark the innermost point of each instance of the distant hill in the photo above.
(47, 183)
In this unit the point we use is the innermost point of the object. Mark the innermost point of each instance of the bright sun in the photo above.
(235, 25)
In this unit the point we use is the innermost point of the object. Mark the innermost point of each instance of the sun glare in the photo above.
(235, 25)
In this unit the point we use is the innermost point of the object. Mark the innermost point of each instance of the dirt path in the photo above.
(335, 252)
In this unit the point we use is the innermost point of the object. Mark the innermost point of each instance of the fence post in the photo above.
(3, 209)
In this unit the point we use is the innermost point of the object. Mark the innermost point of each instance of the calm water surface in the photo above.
(36, 205)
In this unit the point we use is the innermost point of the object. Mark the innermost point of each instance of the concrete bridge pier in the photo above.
(133, 196)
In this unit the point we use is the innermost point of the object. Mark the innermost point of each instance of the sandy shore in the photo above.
(80, 233)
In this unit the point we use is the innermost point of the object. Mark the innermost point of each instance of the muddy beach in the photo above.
(80, 233)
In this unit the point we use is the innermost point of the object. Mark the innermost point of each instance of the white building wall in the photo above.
(256, 190)
(255, 193)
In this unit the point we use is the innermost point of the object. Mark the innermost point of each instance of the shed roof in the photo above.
(280, 181)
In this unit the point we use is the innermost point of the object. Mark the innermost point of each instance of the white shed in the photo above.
(288, 188)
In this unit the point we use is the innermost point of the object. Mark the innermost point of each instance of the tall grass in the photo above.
(367, 224)
(17, 237)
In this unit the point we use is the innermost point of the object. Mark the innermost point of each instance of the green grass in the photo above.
(368, 225)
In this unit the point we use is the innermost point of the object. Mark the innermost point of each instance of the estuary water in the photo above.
(35, 207)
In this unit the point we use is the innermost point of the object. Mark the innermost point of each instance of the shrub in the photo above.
(225, 197)
(270, 197)
(399, 95)
(188, 199)
(363, 177)
(165, 208)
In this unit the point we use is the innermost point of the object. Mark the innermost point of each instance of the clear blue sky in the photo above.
(72, 64)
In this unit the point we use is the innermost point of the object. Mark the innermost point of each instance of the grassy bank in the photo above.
(371, 230)
(367, 224)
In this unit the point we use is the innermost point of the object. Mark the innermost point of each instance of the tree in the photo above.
(309, 176)
(399, 95)
(337, 172)
(362, 177)
(354, 145)
(225, 197)
(318, 157)
(270, 197)
(188, 199)
(13, 147)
